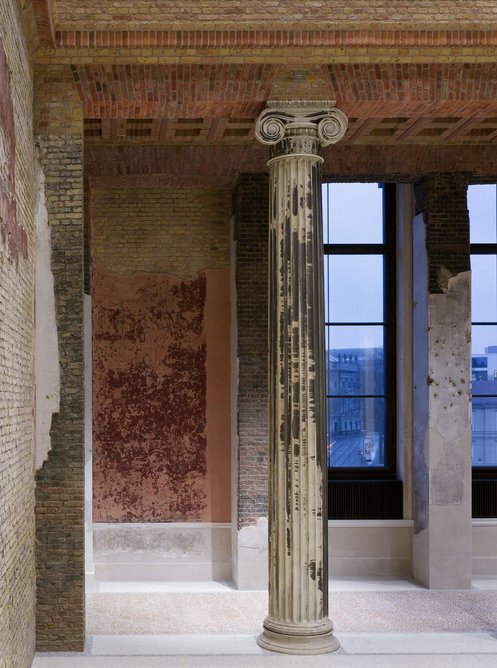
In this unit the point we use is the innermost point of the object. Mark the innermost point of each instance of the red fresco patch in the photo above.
(149, 397)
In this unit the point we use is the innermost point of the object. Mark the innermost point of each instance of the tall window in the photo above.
(482, 207)
(359, 247)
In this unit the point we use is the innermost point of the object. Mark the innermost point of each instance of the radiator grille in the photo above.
(365, 499)
(484, 498)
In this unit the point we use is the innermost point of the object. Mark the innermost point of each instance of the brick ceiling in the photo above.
(173, 91)
(323, 13)
(157, 72)
(385, 103)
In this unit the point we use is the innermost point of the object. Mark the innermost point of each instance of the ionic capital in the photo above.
(318, 120)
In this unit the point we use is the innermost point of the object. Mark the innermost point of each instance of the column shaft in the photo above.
(296, 377)
(297, 622)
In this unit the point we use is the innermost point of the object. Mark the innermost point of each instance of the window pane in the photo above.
(356, 432)
(484, 359)
(482, 214)
(354, 213)
(354, 370)
(354, 291)
(346, 338)
(484, 288)
(484, 436)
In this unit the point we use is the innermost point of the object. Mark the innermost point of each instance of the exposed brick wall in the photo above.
(299, 47)
(442, 200)
(60, 482)
(261, 12)
(57, 109)
(17, 528)
(302, 46)
(251, 208)
(178, 231)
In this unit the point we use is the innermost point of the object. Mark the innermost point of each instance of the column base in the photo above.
(299, 642)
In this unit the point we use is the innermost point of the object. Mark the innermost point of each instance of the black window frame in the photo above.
(388, 472)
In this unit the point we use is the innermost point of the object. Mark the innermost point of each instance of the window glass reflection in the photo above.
(354, 288)
(348, 337)
(356, 432)
(484, 431)
(484, 359)
(353, 213)
(482, 214)
(484, 288)
(355, 369)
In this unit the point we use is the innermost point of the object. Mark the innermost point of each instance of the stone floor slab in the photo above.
(419, 611)
(166, 645)
(270, 661)
(418, 643)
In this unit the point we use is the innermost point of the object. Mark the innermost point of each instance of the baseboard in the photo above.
(162, 551)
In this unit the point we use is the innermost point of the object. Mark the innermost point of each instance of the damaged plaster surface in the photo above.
(149, 397)
(449, 390)
(252, 560)
(47, 371)
(442, 423)
(442, 472)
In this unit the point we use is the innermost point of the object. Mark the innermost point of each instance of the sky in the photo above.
(483, 227)
(353, 213)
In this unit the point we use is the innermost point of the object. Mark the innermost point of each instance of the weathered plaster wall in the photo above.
(160, 295)
(149, 385)
(162, 551)
(17, 252)
(47, 372)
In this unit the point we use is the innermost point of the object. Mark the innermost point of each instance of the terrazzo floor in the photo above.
(380, 624)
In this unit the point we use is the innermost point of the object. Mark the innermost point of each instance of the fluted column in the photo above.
(298, 621)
